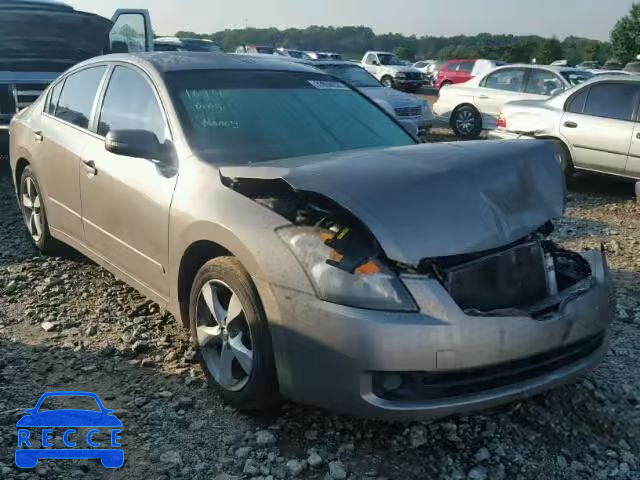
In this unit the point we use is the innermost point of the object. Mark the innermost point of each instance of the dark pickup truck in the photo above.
(40, 39)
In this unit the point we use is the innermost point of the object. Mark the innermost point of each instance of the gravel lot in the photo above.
(66, 324)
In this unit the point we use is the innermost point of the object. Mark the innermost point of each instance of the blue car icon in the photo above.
(28, 452)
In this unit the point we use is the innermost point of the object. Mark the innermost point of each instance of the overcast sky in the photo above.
(586, 18)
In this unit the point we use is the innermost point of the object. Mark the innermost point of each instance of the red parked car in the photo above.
(460, 71)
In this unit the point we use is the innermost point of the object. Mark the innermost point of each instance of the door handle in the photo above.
(38, 137)
(483, 96)
(571, 124)
(90, 167)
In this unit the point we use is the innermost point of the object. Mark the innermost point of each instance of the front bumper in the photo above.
(408, 84)
(330, 355)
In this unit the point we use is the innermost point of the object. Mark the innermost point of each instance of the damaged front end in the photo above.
(532, 277)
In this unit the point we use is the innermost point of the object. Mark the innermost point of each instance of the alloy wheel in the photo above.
(224, 336)
(32, 209)
(465, 122)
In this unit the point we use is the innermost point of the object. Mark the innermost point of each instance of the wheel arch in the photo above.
(563, 145)
(195, 256)
(21, 164)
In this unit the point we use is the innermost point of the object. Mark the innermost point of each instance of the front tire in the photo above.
(231, 335)
(466, 123)
(34, 212)
(387, 81)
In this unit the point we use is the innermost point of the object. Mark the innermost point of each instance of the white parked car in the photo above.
(473, 106)
(595, 125)
(289, 52)
(391, 72)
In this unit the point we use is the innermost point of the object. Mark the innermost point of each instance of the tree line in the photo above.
(353, 41)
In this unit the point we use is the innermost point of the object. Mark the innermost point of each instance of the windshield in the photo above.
(576, 77)
(389, 59)
(354, 76)
(244, 117)
(296, 54)
(336, 56)
(632, 67)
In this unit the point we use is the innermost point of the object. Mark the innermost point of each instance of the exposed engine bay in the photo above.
(531, 277)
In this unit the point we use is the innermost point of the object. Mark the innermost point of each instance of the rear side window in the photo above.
(576, 103)
(54, 98)
(612, 100)
(78, 95)
(130, 104)
(466, 67)
(510, 80)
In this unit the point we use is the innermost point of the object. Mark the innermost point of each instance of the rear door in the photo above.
(131, 31)
(60, 145)
(496, 89)
(599, 124)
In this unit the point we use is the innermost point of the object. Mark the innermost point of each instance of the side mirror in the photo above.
(134, 143)
(376, 63)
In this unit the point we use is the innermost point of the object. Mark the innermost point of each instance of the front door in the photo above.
(131, 32)
(598, 122)
(126, 200)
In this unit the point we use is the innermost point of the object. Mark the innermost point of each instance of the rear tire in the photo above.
(34, 213)
(235, 352)
(564, 159)
(466, 122)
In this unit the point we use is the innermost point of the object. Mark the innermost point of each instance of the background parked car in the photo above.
(612, 65)
(174, 44)
(595, 125)
(391, 72)
(413, 112)
(589, 65)
(430, 69)
(473, 106)
(256, 50)
(288, 52)
(460, 71)
(632, 67)
(313, 55)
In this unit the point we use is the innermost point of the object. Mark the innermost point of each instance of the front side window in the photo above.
(78, 94)
(129, 34)
(389, 59)
(542, 82)
(371, 59)
(244, 117)
(130, 104)
(612, 100)
(510, 80)
(351, 75)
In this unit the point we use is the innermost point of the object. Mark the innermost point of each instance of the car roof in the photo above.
(550, 68)
(186, 61)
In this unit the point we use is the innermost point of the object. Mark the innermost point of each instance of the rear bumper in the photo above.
(336, 356)
(500, 134)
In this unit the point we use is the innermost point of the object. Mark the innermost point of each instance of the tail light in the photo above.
(502, 121)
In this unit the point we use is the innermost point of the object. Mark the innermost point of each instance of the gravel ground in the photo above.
(66, 324)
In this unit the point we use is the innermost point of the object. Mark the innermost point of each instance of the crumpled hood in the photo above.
(438, 200)
(395, 98)
(57, 37)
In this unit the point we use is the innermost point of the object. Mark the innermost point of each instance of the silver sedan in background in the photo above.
(595, 125)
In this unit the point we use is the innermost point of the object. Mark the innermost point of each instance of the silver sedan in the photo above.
(595, 125)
